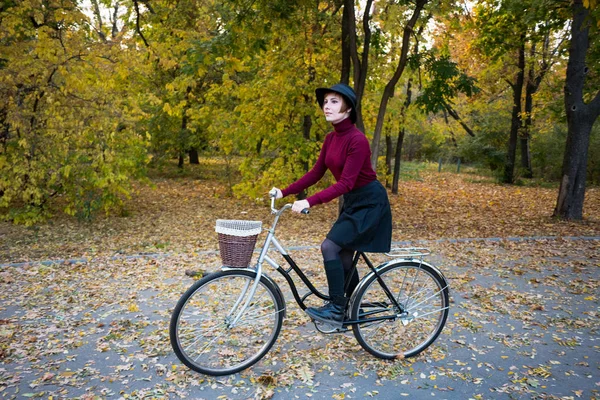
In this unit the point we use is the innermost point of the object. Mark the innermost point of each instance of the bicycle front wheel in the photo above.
(390, 332)
(208, 334)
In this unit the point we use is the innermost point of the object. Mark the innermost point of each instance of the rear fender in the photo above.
(409, 261)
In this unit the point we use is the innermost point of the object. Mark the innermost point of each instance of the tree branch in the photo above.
(595, 105)
(137, 22)
(148, 6)
(454, 115)
(99, 26)
(115, 30)
(388, 91)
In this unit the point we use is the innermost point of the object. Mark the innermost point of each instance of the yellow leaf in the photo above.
(133, 307)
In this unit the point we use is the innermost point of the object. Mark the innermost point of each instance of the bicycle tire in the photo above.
(420, 290)
(201, 333)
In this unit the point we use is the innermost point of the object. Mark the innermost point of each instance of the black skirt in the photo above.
(365, 223)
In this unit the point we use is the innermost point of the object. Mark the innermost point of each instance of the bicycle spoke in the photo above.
(201, 331)
(436, 294)
(207, 346)
(430, 313)
(257, 318)
(219, 328)
(424, 307)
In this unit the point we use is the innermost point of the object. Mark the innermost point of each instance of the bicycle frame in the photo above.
(272, 240)
(220, 336)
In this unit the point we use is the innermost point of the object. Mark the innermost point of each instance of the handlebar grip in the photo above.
(305, 211)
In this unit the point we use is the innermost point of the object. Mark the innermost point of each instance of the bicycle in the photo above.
(229, 319)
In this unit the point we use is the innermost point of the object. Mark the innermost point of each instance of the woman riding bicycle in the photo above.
(365, 221)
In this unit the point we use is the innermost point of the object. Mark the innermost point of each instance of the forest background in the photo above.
(128, 126)
(97, 94)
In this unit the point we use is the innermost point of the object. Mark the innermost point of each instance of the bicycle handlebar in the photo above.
(273, 194)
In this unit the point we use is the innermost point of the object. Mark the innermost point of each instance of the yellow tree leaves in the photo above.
(70, 122)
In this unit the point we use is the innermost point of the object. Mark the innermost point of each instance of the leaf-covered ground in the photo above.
(524, 321)
(178, 215)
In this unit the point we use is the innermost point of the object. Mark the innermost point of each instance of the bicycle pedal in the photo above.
(325, 327)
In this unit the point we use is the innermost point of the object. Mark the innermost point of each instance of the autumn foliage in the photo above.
(94, 93)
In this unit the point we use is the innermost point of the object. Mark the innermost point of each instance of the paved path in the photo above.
(294, 248)
(524, 323)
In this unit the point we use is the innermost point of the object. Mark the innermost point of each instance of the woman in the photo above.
(365, 221)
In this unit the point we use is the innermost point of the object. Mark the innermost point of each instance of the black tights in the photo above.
(332, 251)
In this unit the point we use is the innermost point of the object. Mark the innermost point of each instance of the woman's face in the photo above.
(333, 104)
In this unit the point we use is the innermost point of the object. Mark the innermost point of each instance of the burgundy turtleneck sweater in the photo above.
(346, 153)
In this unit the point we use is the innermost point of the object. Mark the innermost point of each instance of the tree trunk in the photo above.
(346, 49)
(526, 134)
(115, 18)
(389, 88)
(306, 125)
(526, 154)
(183, 136)
(515, 125)
(530, 88)
(580, 119)
(398, 155)
(360, 65)
(193, 153)
(389, 154)
(533, 83)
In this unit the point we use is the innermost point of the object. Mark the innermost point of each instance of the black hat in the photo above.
(346, 91)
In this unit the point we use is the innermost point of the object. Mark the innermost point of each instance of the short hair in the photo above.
(345, 105)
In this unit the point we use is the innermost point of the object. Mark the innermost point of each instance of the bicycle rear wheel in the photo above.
(392, 333)
(203, 330)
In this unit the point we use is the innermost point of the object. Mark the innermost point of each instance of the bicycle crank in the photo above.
(324, 327)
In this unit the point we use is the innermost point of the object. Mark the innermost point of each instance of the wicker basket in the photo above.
(236, 241)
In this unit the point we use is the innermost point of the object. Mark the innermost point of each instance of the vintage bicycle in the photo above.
(229, 319)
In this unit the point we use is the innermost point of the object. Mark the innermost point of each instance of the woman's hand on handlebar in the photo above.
(300, 206)
(275, 193)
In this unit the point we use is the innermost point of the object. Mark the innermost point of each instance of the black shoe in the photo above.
(331, 313)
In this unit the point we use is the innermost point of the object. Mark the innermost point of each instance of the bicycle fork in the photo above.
(250, 287)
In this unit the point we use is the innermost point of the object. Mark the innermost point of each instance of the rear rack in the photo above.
(408, 252)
